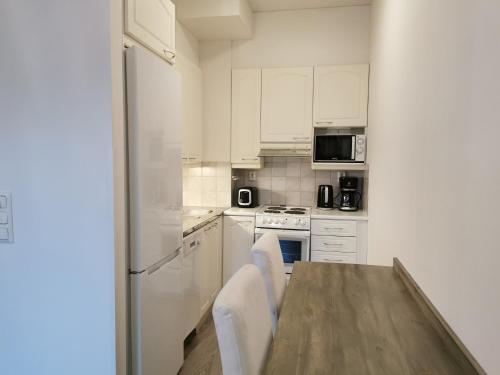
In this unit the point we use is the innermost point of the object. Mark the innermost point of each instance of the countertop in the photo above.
(358, 319)
(193, 223)
(239, 211)
(316, 213)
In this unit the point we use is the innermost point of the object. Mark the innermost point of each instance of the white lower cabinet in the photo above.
(239, 233)
(339, 241)
(211, 272)
(201, 272)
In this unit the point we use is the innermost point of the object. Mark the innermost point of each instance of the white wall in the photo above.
(434, 161)
(306, 37)
(57, 281)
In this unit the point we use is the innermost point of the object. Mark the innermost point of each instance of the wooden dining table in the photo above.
(357, 319)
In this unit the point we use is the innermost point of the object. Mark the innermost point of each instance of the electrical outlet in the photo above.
(6, 229)
(252, 176)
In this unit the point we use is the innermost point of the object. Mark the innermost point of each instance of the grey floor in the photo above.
(202, 352)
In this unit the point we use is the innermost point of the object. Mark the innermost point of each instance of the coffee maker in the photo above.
(350, 193)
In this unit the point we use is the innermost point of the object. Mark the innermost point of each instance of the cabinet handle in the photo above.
(255, 159)
(168, 52)
(334, 228)
(324, 122)
(301, 138)
(333, 244)
(185, 158)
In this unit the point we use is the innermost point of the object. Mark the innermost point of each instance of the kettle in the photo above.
(325, 197)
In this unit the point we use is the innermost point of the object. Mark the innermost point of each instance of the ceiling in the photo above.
(271, 5)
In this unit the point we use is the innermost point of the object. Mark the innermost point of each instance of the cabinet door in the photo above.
(216, 259)
(341, 95)
(152, 23)
(245, 116)
(238, 240)
(191, 110)
(287, 105)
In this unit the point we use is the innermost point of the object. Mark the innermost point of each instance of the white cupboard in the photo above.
(245, 118)
(238, 240)
(341, 96)
(211, 273)
(191, 110)
(152, 23)
(287, 95)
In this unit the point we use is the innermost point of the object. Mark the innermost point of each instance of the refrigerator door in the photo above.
(157, 318)
(155, 167)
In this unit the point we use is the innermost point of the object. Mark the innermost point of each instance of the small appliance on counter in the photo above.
(350, 193)
(247, 197)
(325, 197)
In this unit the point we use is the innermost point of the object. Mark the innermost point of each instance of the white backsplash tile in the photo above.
(278, 183)
(289, 181)
(208, 185)
(292, 184)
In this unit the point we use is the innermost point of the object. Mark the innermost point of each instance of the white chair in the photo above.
(242, 323)
(266, 254)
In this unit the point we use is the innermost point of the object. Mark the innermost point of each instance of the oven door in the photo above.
(295, 244)
(334, 148)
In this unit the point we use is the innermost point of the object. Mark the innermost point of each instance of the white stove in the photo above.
(283, 217)
(292, 225)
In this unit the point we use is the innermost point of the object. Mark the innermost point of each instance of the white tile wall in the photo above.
(208, 185)
(289, 181)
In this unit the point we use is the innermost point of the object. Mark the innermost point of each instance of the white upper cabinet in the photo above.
(341, 96)
(191, 110)
(152, 23)
(245, 118)
(287, 95)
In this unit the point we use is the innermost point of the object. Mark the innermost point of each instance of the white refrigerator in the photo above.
(155, 204)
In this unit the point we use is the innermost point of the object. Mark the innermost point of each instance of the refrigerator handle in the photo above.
(164, 261)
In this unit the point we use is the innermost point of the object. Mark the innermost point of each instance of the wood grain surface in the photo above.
(357, 319)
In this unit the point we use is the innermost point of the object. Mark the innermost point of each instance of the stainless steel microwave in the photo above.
(339, 148)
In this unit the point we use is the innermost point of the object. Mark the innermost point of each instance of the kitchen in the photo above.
(196, 132)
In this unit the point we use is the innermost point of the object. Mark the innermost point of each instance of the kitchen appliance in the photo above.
(292, 225)
(325, 197)
(155, 210)
(339, 148)
(350, 194)
(247, 197)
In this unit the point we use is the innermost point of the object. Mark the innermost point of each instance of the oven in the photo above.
(295, 244)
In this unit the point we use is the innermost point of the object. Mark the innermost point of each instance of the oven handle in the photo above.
(284, 232)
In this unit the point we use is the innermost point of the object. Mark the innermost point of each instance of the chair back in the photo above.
(266, 255)
(242, 323)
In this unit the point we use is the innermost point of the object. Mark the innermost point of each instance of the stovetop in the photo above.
(285, 210)
(284, 217)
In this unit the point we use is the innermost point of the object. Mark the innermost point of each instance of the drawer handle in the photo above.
(333, 244)
(334, 228)
(324, 122)
(253, 159)
(301, 138)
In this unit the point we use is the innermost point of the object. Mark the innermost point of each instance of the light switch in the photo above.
(4, 218)
(4, 234)
(3, 201)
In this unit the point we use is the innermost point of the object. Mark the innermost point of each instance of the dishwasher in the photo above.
(191, 280)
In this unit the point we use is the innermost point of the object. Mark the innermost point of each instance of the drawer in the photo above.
(333, 243)
(333, 257)
(333, 228)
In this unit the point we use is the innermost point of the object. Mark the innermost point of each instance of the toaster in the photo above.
(247, 197)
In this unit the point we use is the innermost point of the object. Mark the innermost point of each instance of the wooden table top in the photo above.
(357, 319)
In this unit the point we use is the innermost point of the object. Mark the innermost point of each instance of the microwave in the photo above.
(339, 148)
